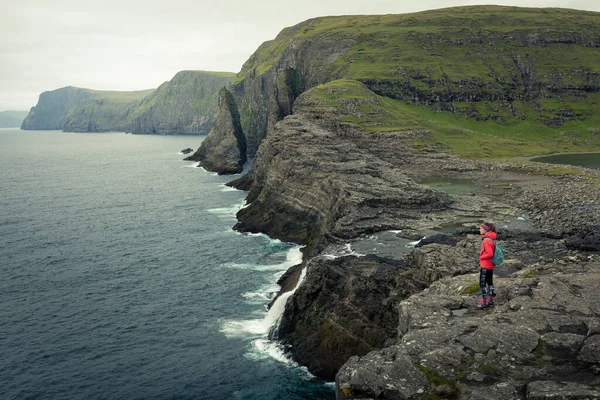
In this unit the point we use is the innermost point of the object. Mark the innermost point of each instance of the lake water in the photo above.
(588, 160)
(122, 277)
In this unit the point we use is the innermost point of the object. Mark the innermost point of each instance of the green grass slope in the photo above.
(352, 101)
(525, 78)
(104, 111)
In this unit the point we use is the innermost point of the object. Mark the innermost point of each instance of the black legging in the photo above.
(486, 277)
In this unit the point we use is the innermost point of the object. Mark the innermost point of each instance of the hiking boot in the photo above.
(481, 305)
(490, 302)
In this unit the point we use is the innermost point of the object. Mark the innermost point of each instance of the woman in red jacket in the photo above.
(486, 273)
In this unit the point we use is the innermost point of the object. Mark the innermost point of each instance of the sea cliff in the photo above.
(224, 150)
(187, 104)
(344, 149)
(83, 110)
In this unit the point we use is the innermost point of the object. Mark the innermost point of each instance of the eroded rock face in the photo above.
(344, 307)
(349, 306)
(310, 182)
(265, 98)
(224, 149)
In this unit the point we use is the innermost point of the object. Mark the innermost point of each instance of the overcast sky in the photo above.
(139, 44)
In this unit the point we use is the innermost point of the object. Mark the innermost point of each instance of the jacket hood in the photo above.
(490, 235)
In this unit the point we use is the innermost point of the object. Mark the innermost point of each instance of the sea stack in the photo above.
(224, 149)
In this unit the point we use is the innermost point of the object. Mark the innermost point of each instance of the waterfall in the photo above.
(273, 317)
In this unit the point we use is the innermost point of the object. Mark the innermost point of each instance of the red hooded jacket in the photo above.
(487, 251)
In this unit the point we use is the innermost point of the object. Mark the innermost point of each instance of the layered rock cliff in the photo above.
(345, 165)
(503, 64)
(187, 104)
(224, 149)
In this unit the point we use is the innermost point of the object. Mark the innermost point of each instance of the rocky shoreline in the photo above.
(403, 327)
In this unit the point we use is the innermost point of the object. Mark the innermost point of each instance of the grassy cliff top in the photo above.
(430, 39)
(113, 95)
(218, 74)
(351, 101)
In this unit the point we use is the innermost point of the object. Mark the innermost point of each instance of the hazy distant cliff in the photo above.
(83, 110)
(53, 106)
(185, 104)
(12, 119)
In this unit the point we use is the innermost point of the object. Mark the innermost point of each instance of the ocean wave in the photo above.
(225, 188)
(226, 211)
(416, 242)
(244, 328)
(265, 349)
(205, 170)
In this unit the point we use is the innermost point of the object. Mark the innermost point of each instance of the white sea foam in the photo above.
(259, 329)
(258, 267)
(347, 250)
(192, 165)
(521, 218)
(208, 172)
(252, 234)
(245, 328)
(262, 296)
(264, 349)
(394, 231)
(226, 211)
(225, 188)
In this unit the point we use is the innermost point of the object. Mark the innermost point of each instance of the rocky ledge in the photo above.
(541, 341)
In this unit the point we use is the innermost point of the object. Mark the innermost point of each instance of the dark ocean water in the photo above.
(121, 278)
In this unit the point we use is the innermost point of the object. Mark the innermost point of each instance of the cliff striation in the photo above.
(187, 104)
(224, 149)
